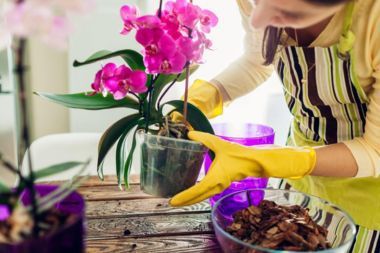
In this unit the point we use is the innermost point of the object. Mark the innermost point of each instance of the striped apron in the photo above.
(329, 106)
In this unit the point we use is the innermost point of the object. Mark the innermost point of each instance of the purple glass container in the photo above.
(69, 238)
(245, 134)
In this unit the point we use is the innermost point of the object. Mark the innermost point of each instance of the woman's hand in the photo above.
(234, 162)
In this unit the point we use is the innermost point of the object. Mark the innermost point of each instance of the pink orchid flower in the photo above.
(119, 81)
(101, 76)
(184, 13)
(208, 20)
(161, 52)
(188, 16)
(173, 7)
(173, 37)
(170, 24)
(97, 85)
(148, 21)
(189, 47)
(149, 37)
(129, 15)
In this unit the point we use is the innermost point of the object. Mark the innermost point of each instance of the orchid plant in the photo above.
(48, 21)
(173, 41)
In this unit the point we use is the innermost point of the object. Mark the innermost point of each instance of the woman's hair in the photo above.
(272, 35)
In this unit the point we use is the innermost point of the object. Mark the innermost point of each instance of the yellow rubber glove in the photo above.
(206, 97)
(234, 162)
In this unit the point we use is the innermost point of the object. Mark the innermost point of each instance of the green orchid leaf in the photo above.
(120, 156)
(55, 169)
(194, 116)
(90, 102)
(128, 164)
(131, 57)
(65, 189)
(120, 153)
(111, 135)
(164, 80)
(4, 188)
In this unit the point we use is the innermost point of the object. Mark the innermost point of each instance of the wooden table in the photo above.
(132, 221)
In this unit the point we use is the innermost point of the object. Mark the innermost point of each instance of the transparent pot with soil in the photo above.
(168, 165)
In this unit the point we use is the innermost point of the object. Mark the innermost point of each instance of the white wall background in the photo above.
(7, 117)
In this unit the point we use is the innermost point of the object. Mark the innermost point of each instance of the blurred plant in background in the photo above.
(48, 21)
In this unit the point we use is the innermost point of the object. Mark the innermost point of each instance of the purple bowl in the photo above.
(245, 134)
(69, 238)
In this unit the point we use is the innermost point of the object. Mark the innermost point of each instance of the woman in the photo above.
(327, 53)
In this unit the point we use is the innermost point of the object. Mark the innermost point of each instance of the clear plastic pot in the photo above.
(168, 165)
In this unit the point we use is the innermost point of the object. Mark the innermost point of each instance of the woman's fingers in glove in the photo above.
(209, 140)
(176, 116)
(195, 194)
(207, 187)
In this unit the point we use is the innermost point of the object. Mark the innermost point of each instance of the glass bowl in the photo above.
(341, 227)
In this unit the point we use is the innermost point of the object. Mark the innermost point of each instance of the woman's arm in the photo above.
(335, 160)
(247, 72)
(365, 149)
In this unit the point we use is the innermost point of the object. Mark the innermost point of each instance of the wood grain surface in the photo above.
(131, 221)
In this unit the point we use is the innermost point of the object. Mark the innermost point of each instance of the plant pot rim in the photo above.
(266, 131)
(199, 146)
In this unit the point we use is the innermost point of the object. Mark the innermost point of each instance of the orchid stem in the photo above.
(166, 91)
(139, 100)
(135, 95)
(25, 137)
(186, 92)
(159, 10)
(7, 165)
(150, 91)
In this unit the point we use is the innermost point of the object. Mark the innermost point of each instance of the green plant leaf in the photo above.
(131, 57)
(61, 193)
(194, 116)
(4, 188)
(164, 80)
(93, 102)
(120, 153)
(128, 164)
(111, 135)
(55, 169)
(120, 156)
(63, 190)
